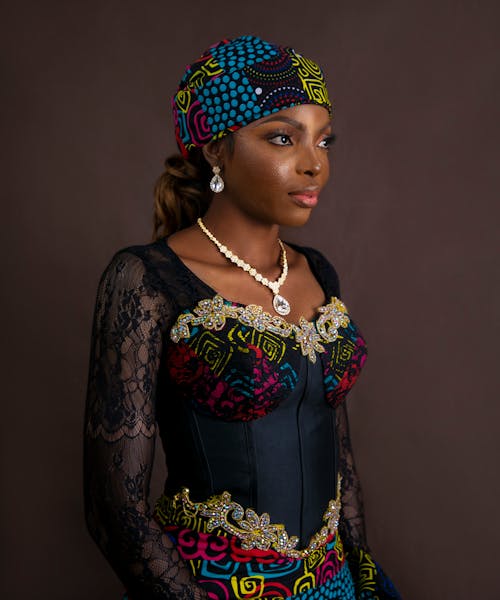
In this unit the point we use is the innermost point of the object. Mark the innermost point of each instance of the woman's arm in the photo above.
(120, 430)
(352, 521)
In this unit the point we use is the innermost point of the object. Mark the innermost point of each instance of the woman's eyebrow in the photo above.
(294, 123)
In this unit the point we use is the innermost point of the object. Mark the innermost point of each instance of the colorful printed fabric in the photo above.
(229, 568)
(370, 581)
(240, 369)
(221, 515)
(227, 572)
(239, 81)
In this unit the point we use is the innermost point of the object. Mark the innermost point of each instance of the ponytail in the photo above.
(181, 193)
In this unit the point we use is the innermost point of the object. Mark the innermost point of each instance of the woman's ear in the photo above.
(214, 153)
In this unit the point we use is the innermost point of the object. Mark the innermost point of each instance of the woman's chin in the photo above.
(297, 218)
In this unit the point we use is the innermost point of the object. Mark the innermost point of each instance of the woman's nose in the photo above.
(313, 169)
(310, 163)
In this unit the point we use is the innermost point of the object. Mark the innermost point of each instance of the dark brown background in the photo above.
(410, 222)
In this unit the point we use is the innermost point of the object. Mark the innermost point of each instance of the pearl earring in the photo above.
(216, 183)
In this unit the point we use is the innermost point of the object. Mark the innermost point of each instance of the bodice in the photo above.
(247, 405)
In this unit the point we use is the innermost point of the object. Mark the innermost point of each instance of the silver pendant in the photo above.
(281, 305)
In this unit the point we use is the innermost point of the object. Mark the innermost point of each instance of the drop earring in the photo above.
(216, 183)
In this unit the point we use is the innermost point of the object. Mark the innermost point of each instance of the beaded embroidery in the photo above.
(253, 530)
(212, 314)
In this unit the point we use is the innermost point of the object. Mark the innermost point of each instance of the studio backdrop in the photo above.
(409, 219)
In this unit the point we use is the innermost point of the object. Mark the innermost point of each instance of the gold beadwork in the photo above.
(212, 314)
(221, 512)
(333, 316)
(308, 338)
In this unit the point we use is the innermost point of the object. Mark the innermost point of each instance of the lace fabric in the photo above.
(120, 433)
(352, 522)
(137, 303)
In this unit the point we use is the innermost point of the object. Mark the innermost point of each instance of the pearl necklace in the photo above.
(280, 304)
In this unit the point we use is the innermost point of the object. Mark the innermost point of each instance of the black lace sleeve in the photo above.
(352, 521)
(120, 429)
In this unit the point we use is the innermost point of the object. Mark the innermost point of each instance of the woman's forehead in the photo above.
(300, 117)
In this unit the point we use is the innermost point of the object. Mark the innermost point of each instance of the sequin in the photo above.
(254, 531)
(213, 313)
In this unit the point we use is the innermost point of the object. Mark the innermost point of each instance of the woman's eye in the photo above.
(281, 139)
(327, 142)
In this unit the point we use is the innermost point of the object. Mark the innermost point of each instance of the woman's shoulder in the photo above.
(139, 278)
(321, 267)
(152, 256)
(145, 253)
(141, 265)
(133, 261)
(153, 269)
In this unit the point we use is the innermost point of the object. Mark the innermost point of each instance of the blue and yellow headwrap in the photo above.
(239, 81)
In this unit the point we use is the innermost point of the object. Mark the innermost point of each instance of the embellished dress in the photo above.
(262, 498)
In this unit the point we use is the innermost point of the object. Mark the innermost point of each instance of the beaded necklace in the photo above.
(280, 304)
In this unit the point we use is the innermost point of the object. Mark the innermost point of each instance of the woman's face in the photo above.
(279, 165)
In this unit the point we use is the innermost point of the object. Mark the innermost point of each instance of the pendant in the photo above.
(281, 305)
(216, 183)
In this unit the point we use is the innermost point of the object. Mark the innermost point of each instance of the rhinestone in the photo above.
(216, 183)
(281, 305)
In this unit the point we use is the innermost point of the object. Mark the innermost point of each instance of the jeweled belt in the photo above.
(254, 531)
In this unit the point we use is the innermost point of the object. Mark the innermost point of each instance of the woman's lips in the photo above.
(305, 199)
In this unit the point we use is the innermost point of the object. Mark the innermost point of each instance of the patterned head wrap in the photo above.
(239, 81)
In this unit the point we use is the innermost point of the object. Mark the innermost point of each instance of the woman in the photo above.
(237, 348)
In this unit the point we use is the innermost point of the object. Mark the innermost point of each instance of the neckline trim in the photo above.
(163, 243)
(212, 314)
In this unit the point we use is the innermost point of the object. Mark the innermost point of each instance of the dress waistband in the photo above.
(221, 515)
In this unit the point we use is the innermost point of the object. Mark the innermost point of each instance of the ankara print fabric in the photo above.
(225, 571)
(142, 293)
(239, 81)
(238, 363)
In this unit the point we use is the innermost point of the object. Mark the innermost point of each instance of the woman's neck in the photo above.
(252, 240)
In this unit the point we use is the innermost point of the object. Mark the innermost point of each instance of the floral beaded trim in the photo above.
(253, 530)
(213, 312)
